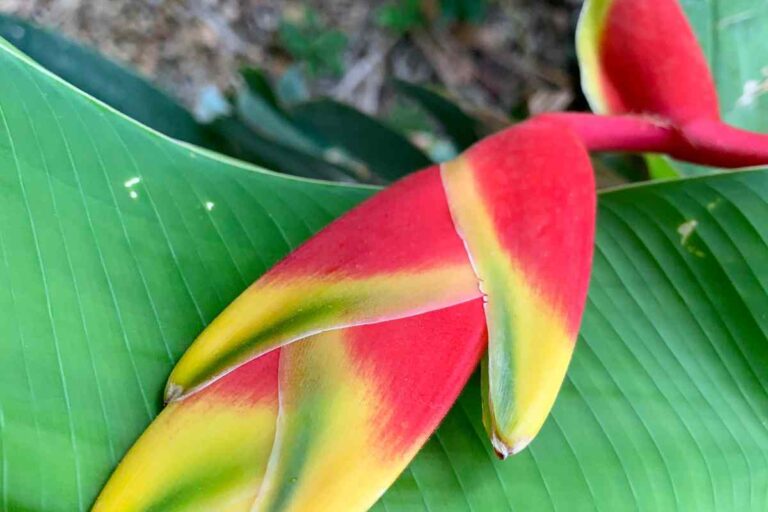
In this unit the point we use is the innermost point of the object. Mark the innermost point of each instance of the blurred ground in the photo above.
(518, 58)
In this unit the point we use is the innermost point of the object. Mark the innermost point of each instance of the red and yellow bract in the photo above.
(379, 321)
(524, 202)
(393, 256)
(208, 452)
(357, 404)
(330, 430)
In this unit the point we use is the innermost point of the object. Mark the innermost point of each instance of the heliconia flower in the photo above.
(531, 184)
(355, 405)
(379, 319)
(641, 58)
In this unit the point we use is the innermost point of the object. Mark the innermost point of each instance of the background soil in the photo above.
(519, 57)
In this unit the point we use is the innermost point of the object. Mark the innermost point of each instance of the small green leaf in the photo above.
(460, 127)
(253, 146)
(260, 112)
(309, 40)
(401, 16)
(271, 121)
(386, 152)
(257, 83)
(661, 168)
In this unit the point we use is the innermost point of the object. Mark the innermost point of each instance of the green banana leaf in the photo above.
(104, 79)
(117, 245)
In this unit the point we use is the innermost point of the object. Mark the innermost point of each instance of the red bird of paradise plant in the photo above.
(315, 388)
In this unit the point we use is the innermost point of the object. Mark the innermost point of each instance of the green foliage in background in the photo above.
(466, 11)
(401, 16)
(312, 42)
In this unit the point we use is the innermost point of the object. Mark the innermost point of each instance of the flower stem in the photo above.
(707, 142)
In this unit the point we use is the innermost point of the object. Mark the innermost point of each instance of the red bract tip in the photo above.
(524, 202)
(642, 57)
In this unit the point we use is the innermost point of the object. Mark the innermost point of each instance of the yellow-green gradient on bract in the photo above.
(588, 38)
(524, 203)
(272, 313)
(208, 452)
(326, 423)
(357, 404)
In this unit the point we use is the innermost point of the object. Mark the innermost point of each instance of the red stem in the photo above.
(704, 142)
